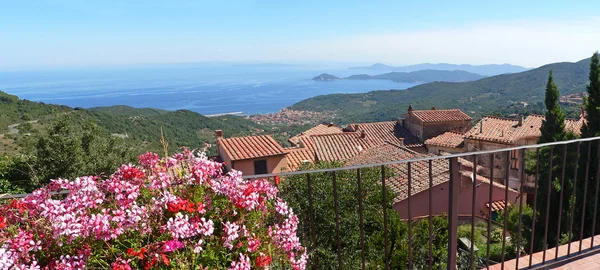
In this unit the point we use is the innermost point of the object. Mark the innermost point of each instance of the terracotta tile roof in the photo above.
(389, 131)
(440, 115)
(495, 129)
(398, 182)
(298, 156)
(251, 147)
(317, 130)
(338, 147)
(448, 139)
(574, 125)
(384, 152)
(505, 130)
(497, 205)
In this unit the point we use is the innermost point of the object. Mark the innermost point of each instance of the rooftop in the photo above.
(449, 139)
(509, 130)
(251, 147)
(434, 115)
(320, 129)
(389, 131)
(338, 147)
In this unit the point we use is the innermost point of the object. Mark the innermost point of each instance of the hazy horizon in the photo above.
(69, 33)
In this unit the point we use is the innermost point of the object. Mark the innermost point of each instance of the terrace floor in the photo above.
(588, 258)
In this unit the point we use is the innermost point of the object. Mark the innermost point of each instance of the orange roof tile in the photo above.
(337, 147)
(389, 131)
(297, 156)
(448, 139)
(251, 147)
(398, 181)
(495, 129)
(440, 115)
(505, 130)
(497, 205)
(317, 130)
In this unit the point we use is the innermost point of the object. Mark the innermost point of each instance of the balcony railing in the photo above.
(458, 201)
(456, 198)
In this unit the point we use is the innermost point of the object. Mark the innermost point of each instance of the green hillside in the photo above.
(497, 93)
(142, 126)
(129, 111)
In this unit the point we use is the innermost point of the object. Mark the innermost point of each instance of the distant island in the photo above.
(326, 77)
(422, 76)
(487, 70)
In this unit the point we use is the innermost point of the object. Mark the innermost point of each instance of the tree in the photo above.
(68, 152)
(552, 130)
(591, 128)
(592, 103)
(58, 153)
(553, 126)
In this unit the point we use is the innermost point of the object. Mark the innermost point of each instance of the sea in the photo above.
(204, 88)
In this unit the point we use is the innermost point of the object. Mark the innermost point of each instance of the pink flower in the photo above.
(172, 245)
(242, 264)
(198, 246)
(231, 233)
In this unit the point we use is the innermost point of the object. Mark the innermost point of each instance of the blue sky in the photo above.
(61, 33)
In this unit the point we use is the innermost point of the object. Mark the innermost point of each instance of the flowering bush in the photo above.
(181, 212)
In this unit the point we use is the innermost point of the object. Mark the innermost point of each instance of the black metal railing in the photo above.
(556, 154)
(424, 173)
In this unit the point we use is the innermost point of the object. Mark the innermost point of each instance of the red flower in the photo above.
(263, 261)
(173, 207)
(139, 254)
(132, 173)
(19, 205)
(165, 259)
(2, 222)
(249, 190)
(189, 207)
(277, 181)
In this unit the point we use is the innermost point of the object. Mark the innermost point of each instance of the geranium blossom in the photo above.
(161, 212)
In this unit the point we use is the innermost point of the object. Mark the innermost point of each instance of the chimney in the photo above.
(521, 120)
(363, 134)
(330, 124)
(433, 108)
(219, 134)
(481, 126)
(399, 121)
(410, 108)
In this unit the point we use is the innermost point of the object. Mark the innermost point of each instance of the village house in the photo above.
(425, 124)
(440, 177)
(252, 154)
(497, 132)
(446, 143)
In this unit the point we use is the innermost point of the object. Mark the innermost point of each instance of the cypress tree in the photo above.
(553, 126)
(592, 103)
(553, 129)
(591, 128)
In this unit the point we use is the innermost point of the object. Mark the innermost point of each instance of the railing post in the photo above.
(453, 212)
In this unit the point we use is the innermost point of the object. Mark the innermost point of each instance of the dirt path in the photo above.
(12, 129)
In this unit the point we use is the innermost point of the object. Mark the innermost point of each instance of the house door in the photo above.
(260, 166)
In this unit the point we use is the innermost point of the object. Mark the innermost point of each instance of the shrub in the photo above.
(175, 212)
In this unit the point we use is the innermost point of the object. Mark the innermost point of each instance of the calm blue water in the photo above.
(203, 89)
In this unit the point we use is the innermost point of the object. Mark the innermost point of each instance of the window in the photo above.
(260, 166)
(514, 159)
